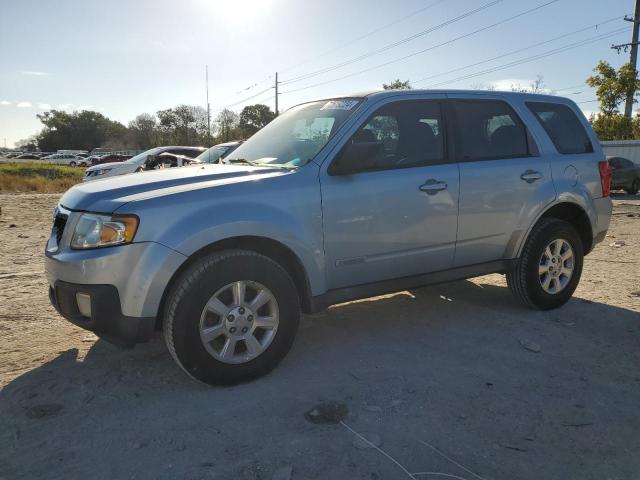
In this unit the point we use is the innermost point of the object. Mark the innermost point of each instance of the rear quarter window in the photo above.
(563, 127)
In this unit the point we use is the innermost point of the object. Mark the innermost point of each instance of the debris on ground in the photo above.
(531, 346)
(327, 413)
(618, 244)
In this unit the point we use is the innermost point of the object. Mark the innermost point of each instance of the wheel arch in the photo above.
(273, 249)
(571, 213)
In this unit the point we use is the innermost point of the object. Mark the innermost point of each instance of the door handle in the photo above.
(531, 176)
(433, 186)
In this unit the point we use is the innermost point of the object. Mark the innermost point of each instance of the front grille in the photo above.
(59, 222)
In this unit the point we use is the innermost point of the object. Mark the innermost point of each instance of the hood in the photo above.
(102, 166)
(108, 194)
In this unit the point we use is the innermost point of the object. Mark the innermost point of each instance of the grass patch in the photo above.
(38, 177)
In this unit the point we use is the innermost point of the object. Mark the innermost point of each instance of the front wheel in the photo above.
(72, 164)
(549, 269)
(231, 317)
(634, 188)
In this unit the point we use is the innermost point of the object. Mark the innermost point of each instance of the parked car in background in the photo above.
(334, 200)
(625, 175)
(14, 154)
(28, 156)
(66, 159)
(110, 158)
(136, 163)
(217, 152)
(168, 160)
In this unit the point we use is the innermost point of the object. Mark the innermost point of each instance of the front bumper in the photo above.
(106, 319)
(125, 285)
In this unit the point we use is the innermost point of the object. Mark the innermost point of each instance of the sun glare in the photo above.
(240, 9)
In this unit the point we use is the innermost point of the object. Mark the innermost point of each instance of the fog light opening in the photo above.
(84, 304)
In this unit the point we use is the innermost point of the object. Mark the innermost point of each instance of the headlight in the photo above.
(94, 231)
(102, 172)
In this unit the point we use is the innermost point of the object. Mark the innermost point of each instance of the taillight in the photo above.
(605, 177)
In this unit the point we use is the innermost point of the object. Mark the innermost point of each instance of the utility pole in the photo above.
(276, 87)
(206, 74)
(628, 106)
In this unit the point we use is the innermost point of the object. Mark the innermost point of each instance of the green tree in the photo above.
(182, 125)
(397, 84)
(613, 126)
(253, 118)
(226, 122)
(83, 130)
(143, 131)
(613, 86)
(28, 144)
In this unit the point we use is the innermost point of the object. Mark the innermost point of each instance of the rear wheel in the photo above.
(72, 163)
(634, 188)
(549, 269)
(231, 317)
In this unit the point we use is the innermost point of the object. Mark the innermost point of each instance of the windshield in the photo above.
(213, 154)
(141, 157)
(295, 137)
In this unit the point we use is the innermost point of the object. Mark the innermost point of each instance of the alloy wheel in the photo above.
(556, 266)
(239, 322)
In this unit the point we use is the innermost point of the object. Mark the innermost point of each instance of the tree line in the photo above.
(187, 124)
(180, 125)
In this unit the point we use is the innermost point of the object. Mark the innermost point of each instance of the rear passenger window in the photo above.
(488, 129)
(563, 127)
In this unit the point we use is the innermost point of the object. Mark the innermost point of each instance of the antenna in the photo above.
(206, 76)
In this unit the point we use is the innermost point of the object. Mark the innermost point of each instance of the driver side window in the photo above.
(399, 135)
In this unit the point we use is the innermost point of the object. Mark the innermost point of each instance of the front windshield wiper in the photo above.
(244, 161)
(241, 161)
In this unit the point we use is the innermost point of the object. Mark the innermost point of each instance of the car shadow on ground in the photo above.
(442, 353)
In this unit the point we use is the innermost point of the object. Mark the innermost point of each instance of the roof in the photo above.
(379, 94)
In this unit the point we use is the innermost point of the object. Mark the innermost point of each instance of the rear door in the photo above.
(502, 177)
(394, 215)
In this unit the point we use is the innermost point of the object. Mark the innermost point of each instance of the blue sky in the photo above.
(123, 58)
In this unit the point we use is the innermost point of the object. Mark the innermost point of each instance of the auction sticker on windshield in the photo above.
(339, 105)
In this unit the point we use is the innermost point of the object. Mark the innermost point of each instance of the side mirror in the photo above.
(357, 157)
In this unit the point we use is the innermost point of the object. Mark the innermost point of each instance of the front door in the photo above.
(390, 198)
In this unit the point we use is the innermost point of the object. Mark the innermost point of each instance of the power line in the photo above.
(433, 47)
(518, 50)
(357, 39)
(243, 100)
(396, 43)
(366, 35)
(548, 53)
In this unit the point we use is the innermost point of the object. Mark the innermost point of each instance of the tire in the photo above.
(184, 317)
(72, 164)
(526, 282)
(634, 188)
(139, 169)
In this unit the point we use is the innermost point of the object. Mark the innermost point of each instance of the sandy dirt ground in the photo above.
(450, 381)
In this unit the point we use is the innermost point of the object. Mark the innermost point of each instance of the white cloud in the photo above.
(85, 107)
(44, 106)
(35, 73)
(64, 106)
(156, 43)
(5, 102)
(507, 84)
(23, 104)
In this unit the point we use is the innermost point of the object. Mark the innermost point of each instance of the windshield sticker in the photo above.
(339, 105)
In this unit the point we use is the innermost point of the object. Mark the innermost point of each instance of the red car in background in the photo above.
(109, 158)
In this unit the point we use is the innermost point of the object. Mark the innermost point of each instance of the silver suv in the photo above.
(334, 200)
